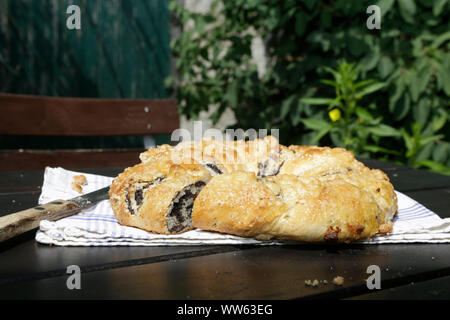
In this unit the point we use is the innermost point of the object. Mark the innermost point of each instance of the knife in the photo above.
(20, 222)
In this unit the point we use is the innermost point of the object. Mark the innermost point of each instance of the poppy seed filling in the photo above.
(179, 215)
(269, 167)
(213, 169)
(136, 193)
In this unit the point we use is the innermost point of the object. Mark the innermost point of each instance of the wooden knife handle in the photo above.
(20, 222)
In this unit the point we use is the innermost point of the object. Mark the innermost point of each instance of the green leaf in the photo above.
(385, 6)
(232, 94)
(424, 153)
(315, 124)
(355, 45)
(317, 101)
(286, 106)
(440, 40)
(385, 67)
(407, 139)
(444, 76)
(363, 114)
(371, 88)
(398, 93)
(431, 139)
(296, 114)
(383, 130)
(435, 166)
(402, 107)
(378, 149)
(321, 134)
(407, 10)
(363, 83)
(370, 60)
(336, 138)
(421, 111)
(440, 152)
(414, 87)
(337, 76)
(438, 6)
(439, 121)
(273, 19)
(321, 38)
(424, 78)
(330, 83)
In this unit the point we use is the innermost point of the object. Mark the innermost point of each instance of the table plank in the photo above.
(30, 260)
(435, 289)
(29, 181)
(377, 164)
(437, 200)
(21, 190)
(408, 179)
(30, 270)
(259, 273)
(21, 181)
(14, 202)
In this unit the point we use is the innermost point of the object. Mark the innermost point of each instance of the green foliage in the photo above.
(356, 129)
(394, 101)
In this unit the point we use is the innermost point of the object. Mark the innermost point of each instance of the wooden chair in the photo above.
(48, 116)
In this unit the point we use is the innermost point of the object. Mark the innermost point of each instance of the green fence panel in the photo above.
(121, 51)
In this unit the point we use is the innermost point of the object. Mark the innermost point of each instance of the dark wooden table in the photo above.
(29, 270)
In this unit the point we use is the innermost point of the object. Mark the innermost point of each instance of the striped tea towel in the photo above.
(97, 226)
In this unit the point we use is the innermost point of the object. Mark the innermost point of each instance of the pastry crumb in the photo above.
(339, 281)
(81, 180)
(78, 182)
(77, 187)
(313, 283)
(386, 227)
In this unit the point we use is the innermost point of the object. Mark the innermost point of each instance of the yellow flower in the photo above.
(335, 114)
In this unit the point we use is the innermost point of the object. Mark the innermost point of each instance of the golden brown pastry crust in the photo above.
(160, 182)
(286, 207)
(262, 189)
(230, 155)
(327, 164)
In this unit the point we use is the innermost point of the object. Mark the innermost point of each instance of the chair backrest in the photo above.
(50, 116)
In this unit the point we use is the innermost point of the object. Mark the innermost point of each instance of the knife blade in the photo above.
(20, 222)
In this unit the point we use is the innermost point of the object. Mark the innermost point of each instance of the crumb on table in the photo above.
(339, 281)
(313, 283)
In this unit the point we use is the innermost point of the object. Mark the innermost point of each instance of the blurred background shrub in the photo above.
(328, 80)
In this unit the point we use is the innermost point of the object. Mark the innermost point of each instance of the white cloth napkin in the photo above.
(97, 226)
